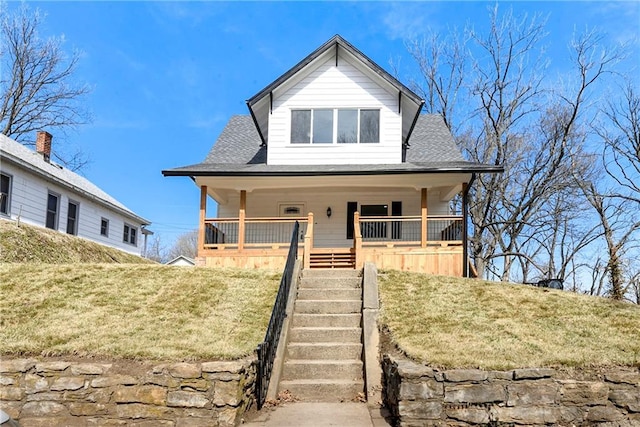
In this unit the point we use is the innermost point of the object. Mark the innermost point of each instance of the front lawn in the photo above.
(133, 311)
(457, 323)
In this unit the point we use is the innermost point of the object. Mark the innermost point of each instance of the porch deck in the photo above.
(430, 244)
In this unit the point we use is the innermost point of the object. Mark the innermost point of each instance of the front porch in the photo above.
(422, 243)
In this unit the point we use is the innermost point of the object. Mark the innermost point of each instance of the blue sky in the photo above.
(166, 76)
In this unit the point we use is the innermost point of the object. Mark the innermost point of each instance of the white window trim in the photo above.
(56, 226)
(131, 227)
(8, 195)
(335, 127)
(106, 234)
(77, 218)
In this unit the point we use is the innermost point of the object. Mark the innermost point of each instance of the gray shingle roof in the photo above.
(19, 154)
(238, 151)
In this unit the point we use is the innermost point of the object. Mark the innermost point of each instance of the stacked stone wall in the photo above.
(418, 395)
(125, 393)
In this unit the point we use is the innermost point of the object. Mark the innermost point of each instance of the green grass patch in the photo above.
(455, 323)
(133, 311)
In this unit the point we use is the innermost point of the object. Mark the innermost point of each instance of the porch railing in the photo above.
(232, 233)
(409, 230)
(266, 350)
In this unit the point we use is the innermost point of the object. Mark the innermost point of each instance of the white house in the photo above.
(339, 145)
(35, 190)
(181, 261)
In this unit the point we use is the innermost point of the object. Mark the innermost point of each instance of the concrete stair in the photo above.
(323, 361)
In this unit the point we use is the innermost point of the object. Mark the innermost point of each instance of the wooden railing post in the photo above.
(203, 215)
(357, 240)
(423, 220)
(308, 241)
(241, 217)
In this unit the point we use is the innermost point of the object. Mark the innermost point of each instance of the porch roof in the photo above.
(238, 152)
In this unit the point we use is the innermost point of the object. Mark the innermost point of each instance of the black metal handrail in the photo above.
(267, 349)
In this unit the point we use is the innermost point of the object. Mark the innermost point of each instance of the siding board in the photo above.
(329, 86)
(28, 203)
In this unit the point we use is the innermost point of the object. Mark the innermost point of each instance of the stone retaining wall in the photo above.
(125, 393)
(418, 395)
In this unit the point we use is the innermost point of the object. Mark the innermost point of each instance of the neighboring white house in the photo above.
(341, 146)
(181, 261)
(37, 191)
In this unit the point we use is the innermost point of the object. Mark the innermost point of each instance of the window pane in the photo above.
(133, 236)
(322, 126)
(347, 126)
(4, 193)
(72, 215)
(369, 126)
(104, 227)
(126, 233)
(300, 126)
(52, 211)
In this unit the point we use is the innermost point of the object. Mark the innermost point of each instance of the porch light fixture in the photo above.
(329, 212)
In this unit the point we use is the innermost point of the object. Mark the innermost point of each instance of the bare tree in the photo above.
(523, 220)
(619, 235)
(442, 65)
(618, 207)
(157, 250)
(37, 90)
(621, 135)
(186, 244)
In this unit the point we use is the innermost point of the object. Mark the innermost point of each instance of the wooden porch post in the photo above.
(203, 215)
(357, 240)
(423, 215)
(308, 242)
(465, 249)
(241, 218)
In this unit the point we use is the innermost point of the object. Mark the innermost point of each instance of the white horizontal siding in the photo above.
(28, 202)
(331, 232)
(328, 86)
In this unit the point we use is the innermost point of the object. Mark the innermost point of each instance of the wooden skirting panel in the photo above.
(267, 259)
(445, 261)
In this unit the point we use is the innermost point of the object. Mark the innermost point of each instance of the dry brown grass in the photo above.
(134, 311)
(26, 243)
(452, 322)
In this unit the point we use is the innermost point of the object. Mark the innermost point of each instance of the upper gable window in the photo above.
(330, 126)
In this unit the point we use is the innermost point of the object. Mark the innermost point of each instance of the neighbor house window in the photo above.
(72, 218)
(329, 126)
(52, 211)
(129, 235)
(104, 227)
(5, 193)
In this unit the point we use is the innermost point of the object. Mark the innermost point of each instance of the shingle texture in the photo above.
(238, 151)
(17, 153)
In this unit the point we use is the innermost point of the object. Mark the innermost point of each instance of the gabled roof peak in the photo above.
(260, 104)
(333, 41)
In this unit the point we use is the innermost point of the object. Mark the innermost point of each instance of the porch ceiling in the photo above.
(219, 188)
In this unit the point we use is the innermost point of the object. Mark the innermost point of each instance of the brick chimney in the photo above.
(43, 144)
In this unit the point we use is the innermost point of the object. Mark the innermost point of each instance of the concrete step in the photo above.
(322, 370)
(330, 272)
(331, 282)
(310, 334)
(301, 320)
(330, 294)
(324, 351)
(323, 390)
(328, 306)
